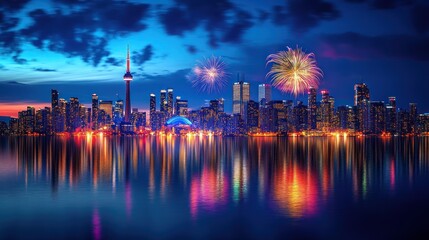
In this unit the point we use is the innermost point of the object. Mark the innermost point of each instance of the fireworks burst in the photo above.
(294, 71)
(209, 75)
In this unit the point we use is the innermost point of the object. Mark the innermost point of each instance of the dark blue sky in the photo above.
(79, 47)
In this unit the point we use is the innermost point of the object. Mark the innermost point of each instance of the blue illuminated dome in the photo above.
(178, 120)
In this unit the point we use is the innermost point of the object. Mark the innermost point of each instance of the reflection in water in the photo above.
(208, 191)
(294, 176)
(96, 225)
(295, 191)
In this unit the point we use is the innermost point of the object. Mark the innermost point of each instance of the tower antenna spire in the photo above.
(128, 58)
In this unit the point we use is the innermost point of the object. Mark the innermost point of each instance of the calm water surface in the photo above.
(213, 188)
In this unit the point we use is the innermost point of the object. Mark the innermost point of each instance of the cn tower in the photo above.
(128, 78)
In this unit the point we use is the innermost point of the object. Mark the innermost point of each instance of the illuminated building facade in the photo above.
(361, 100)
(264, 93)
(240, 96)
(95, 109)
(376, 117)
(181, 107)
(252, 116)
(312, 109)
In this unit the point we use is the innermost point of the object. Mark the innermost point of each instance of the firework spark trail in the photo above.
(209, 75)
(294, 71)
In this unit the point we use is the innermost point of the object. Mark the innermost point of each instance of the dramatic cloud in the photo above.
(384, 4)
(44, 70)
(223, 21)
(85, 33)
(357, 46)
(420, 18)
(143, 55)
(302, 15)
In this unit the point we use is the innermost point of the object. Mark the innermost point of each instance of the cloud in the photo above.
(13, 5)
(142, 56)
(191, 48)
(44, 70)
(302, 15)
(420, 18)
(356, 46)
(114, 61)
(384, 4)
(222, 20)
(85, 33)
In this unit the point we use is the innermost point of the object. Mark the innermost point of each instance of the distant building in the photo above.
(264, 92)
(300, 116)
(26, 121)
(240, 96)
(424, 123)
(376, 117)
(95, 109)
(312, 109)
(181, 107)
(118, 112)
(391, 116)
(345, 115)
(4, 129)
(163, 101)
(361, 100)
(413, 118)
(169, 102)
(252, 115)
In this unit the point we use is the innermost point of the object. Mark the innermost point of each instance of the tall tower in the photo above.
(264, 92)
(54, 98)
(312, 108)
(128, 78)
(361, 103)
(240, 96)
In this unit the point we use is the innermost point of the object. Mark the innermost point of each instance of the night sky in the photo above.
(79, 47)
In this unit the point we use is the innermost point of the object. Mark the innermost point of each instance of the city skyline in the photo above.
(347, 50)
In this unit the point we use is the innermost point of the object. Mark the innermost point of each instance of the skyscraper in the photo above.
(118, 112)
(413, 118)
(376, 117)
(361, 102)
(264, 92)
(240, 96)
(391, 121)
(107, 107)
(312, 108)
(152, 103)
(169, 102)
(326, 110)
(54, 98)
(163, 101)
(181, 107)
(55, 111)
(73, 114)
(361, 93)
(252, 115)
(128, 78)
(94, 119)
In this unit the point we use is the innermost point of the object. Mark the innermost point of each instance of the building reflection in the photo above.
(294, 175)
(208, 191)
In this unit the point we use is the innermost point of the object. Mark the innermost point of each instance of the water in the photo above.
(213, 188)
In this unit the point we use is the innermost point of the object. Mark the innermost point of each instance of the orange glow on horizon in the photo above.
(11, 109)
